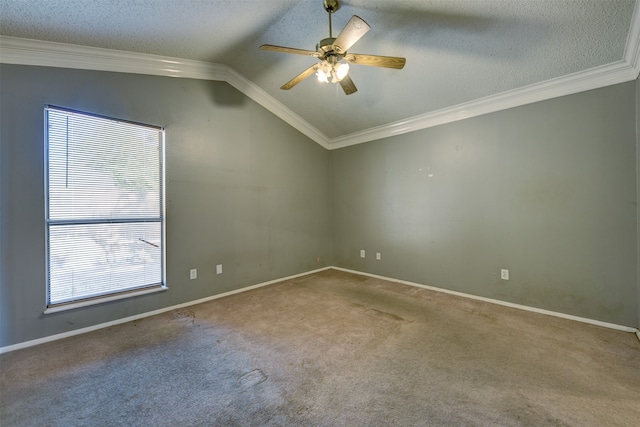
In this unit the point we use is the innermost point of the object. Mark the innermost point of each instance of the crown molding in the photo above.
(260, 96)
(632, 47)
(594, 78)
(50, 54)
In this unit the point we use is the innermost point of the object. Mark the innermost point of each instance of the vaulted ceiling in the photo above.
(462, 55)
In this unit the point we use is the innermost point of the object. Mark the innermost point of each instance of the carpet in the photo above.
(330, 349)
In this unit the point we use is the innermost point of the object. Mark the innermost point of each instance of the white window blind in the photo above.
(104, 182)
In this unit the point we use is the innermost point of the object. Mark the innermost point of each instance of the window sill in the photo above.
(100, 300)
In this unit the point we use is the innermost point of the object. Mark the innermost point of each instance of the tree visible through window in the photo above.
(104, 206)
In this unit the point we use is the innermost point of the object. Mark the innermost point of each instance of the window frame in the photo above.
(109, 295)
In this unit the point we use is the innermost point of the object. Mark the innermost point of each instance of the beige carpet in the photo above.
(330, 349)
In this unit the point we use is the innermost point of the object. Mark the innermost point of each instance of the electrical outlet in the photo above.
(193, 273)
(504, 274)
(361, 253)
(378, 256)
(219, 269)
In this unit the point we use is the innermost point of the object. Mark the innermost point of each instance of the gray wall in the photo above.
(546, 190)
(243, 189)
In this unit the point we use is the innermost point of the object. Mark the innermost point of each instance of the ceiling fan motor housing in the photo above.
(325, 48)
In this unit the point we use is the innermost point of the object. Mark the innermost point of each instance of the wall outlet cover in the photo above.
(504, 274)
(193, 273)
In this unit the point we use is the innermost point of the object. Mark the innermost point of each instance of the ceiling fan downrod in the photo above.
(331, 6)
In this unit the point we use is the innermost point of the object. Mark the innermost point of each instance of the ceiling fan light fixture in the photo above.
(324, 72)
(341, 70)
(331, 73)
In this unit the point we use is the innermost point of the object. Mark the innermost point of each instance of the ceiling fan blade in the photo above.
(347, 85)
(289, 50)
(300, 77)
(351, 33)
(376, 60)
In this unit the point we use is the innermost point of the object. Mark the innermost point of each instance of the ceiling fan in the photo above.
(332, 53)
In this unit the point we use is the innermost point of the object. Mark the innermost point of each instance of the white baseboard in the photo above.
(504, 303)
(68, 334)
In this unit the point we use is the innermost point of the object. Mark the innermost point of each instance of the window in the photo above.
(105, 214)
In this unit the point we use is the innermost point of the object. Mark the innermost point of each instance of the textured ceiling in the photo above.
(457, 51)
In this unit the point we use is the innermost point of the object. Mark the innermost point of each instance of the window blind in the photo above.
(104, 206)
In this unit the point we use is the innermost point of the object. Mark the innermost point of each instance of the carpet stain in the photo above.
(383, 315)
(253, 378)
(530, 413)
(184, 315)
